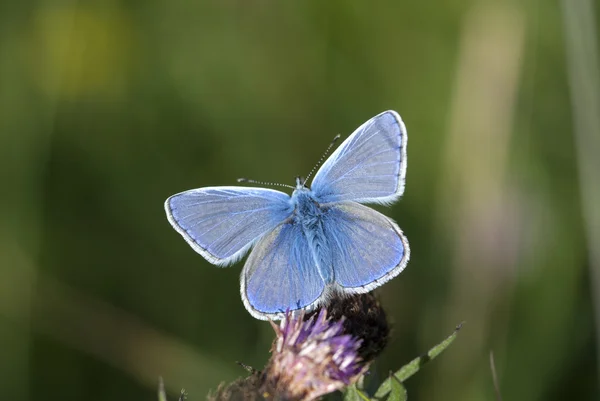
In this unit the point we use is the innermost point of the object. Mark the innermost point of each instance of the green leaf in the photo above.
(353, 393)
(398, 391)
(415, 365)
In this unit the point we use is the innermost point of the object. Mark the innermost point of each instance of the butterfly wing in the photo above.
(367, 247)
(369, 166)
(281, 274)
(221, 223)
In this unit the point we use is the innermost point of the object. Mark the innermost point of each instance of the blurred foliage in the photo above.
(109, 107)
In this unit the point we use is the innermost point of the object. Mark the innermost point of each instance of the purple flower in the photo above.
(311, 358)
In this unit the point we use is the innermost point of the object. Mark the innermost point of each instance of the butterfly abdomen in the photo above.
(311, 216)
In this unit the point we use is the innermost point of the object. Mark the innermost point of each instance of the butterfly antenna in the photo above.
(270, 184)
(335, 139)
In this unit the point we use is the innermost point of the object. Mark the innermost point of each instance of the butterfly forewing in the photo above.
(221, 223)
(369, 166)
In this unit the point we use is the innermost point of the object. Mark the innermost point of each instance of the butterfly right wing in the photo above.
(280, 274)
(222, 223)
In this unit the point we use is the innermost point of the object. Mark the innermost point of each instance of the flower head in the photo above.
(311, 358)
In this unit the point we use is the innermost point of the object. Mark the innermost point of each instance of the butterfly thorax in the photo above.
(310, 215)
(307, 210)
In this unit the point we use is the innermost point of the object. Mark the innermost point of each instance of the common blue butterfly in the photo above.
(319, 241)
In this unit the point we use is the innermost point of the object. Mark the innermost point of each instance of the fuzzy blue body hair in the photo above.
(312, 217)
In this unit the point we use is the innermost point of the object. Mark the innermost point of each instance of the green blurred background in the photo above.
(109, 107)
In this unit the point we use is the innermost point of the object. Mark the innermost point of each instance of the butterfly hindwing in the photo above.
(221, 223)
(367, 247)
(280, 274)
(369, 166)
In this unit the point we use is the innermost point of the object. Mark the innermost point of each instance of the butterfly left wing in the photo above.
(369, 166)
(280, 274)
(221, 223)
(367, 247)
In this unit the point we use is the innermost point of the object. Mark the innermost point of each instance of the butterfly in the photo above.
(316, 244)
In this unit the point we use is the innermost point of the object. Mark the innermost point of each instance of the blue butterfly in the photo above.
(319, 242)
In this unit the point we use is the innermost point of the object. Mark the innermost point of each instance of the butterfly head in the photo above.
(301, 193)
(300, 183)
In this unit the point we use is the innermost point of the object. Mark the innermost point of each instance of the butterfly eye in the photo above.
(300, 182)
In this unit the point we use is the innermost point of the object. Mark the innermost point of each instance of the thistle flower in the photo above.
(316, 353)
(311, 358)
(363, 318)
